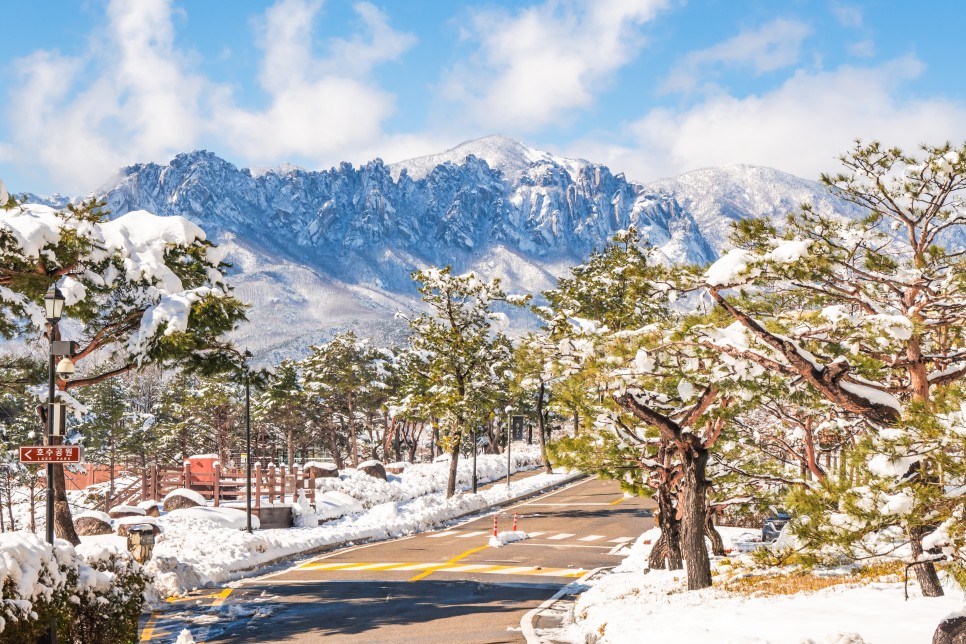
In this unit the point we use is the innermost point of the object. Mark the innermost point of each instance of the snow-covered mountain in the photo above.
(316, 252)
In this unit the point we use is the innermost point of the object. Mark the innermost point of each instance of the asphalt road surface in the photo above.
(436, 587)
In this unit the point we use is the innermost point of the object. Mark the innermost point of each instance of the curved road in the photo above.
(435, 587)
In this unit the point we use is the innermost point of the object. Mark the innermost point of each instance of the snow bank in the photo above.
(504, 538)
(631, 606)
(220, 517)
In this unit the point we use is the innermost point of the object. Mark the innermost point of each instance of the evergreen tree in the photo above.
(462, 352)
(870, 314)
(145, 290)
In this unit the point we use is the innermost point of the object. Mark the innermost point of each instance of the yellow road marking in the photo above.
(451, 566)
(617, 501)
(222, 596)
(451, 561)
(148, 631)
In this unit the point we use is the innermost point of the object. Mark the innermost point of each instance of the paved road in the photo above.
(438, 587)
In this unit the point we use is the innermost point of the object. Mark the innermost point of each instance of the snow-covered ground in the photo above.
(193, 552)
(632, 605)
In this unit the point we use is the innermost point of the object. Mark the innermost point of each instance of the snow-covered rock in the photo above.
(182, 498)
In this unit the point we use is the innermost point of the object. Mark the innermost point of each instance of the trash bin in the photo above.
(140, 541)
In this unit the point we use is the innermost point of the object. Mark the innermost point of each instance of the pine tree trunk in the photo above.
(352, 434)
(543, 438)
(454, 460)
(33, 506)
(717, 543)
(666, 553)
(925, 572)
(694, 460)
(13, 526)
(63, 521)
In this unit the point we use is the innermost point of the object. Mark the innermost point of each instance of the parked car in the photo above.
(773, 525)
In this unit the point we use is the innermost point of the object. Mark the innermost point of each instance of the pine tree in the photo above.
(870, 314)
(462, 352)
(145, 289)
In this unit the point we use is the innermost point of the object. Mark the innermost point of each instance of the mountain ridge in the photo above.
(318, 251)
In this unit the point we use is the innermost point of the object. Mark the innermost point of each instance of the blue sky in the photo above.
(652, 88)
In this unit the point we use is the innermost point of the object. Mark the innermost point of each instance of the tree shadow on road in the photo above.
(360, 608)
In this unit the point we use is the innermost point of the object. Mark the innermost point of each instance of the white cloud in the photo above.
(133, 96)
(320, 107)
(772, 46)
(847, 15)
(800, 127)
(862, 49)
(139, 104)
(534, 66)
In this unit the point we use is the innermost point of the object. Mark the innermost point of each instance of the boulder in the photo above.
(121, 511)
(151, 508)
(951, 630)
(397, 468)
(321, 470)
(375, 469)
(87, 525)
(182, 498)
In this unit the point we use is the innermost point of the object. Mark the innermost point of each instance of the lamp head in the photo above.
(53, 304)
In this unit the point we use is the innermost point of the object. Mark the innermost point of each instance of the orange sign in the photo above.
(52, 454)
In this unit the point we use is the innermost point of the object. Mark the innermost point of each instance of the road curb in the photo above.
(574, 588)
(240, 574)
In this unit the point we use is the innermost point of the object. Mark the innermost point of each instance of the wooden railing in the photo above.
(271, 484)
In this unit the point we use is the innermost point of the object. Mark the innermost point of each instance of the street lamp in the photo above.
(248, 443)
(473, 431)
(53, 308)
(509, 436)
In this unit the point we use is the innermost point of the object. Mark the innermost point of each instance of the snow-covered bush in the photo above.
(94, 592)
(36, 585)
(109, 595)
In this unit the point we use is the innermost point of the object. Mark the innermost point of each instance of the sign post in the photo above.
(38, 454)
(517, 424)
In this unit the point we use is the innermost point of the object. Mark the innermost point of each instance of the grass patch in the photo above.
(801, 580)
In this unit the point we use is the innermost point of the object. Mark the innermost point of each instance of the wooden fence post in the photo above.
(155, 490)
(271, 483)
(216, 482)
(258, 484)
(186, 479)
(281, 483)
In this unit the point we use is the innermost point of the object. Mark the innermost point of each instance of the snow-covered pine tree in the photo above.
(463, 352)
(144, 290)
(870, 314)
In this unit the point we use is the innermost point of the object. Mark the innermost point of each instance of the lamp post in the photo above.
(248, 444)
(475, 447)
(509, 437)
(53, 309)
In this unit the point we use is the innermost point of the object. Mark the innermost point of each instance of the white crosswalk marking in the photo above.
(621, 540)
(535, 534)
(562, 535)
(592, 537)
(471, 534)
(444, 534)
